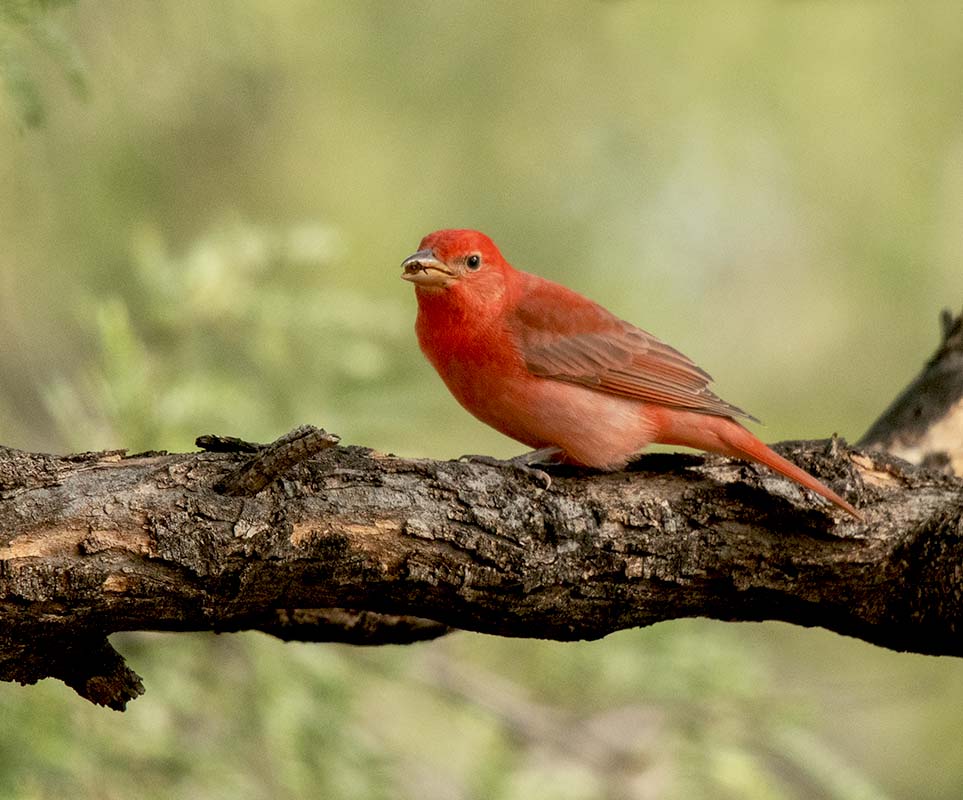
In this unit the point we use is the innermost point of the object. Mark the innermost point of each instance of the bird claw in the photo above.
(518, 463)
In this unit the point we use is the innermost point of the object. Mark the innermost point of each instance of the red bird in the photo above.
(552, 369)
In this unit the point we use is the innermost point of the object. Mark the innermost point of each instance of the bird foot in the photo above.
(522, 463)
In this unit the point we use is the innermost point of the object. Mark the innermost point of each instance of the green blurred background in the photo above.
(203, 207)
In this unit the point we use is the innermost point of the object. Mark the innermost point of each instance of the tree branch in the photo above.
(924, 424)
(342, 543)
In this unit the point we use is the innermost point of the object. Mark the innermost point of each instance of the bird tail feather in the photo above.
(727, 437)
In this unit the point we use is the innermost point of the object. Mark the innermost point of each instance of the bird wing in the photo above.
(564, 336)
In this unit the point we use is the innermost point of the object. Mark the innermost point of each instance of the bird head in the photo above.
(461, 259)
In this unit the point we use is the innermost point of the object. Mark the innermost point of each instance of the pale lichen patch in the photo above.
(873, 475)
(133, 541)
(117, 584)
(43, 542)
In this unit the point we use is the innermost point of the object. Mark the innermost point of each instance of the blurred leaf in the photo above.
(226, 338)
(29, 34)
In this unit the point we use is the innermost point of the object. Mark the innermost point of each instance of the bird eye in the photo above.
(473, 261)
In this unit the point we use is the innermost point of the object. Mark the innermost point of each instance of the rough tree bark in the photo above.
(308, 540)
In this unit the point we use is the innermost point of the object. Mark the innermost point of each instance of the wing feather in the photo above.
(564, 336)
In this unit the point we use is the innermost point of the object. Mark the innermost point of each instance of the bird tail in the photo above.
(727, 437)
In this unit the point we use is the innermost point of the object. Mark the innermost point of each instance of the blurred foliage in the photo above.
(209, 241)
(29, 37)
(208, 341)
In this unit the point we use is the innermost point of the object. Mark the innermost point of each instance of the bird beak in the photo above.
(423, 269)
